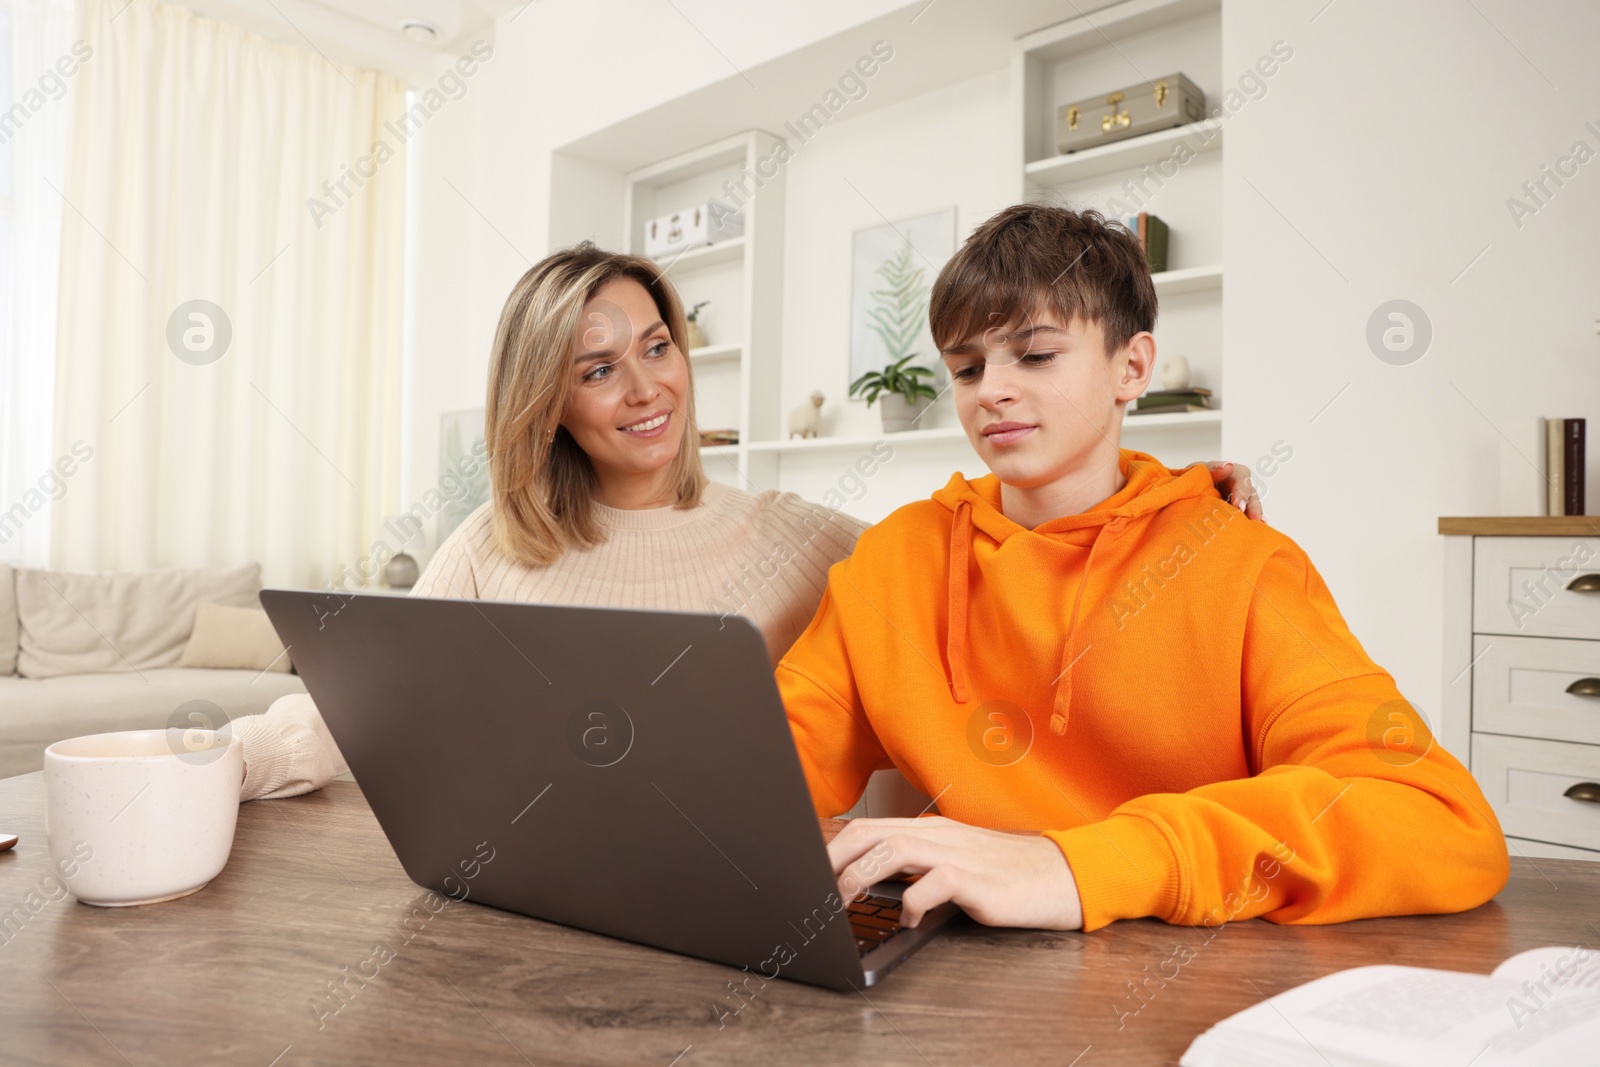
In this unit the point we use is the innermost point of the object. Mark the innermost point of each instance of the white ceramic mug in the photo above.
(144, 816)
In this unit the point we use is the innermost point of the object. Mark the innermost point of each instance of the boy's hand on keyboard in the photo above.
(998, 878)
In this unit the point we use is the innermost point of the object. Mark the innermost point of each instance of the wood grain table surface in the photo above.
(231, 974)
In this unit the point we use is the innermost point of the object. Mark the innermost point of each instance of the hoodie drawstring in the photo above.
(1062, 710)
(956, 640)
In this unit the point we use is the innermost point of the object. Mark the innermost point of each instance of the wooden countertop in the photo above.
(1523, 526)
(226, 975)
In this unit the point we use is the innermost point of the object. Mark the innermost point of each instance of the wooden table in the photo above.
(227, 975)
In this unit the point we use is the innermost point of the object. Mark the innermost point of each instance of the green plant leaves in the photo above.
(897, 377)
(897, 320)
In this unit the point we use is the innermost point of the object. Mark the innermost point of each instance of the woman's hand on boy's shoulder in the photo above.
(1233, 482)
(998, 878)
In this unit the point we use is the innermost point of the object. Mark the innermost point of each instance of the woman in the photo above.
(598, 495)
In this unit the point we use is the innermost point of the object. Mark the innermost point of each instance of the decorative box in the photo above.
(704, 223)
(1144, 108)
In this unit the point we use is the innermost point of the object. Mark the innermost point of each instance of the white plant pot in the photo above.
(898, 413)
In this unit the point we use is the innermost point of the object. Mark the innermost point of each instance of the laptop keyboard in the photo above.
(874, 920)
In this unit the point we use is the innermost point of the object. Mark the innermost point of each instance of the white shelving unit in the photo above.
(693, 259)
(1188, 280)
(736, 376)
(1200, 137)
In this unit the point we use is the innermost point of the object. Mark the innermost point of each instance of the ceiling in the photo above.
(957, 41)
(367, 33)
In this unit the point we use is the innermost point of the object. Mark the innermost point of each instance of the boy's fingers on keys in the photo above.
(941, 884)
(895, 854)
(861, 836)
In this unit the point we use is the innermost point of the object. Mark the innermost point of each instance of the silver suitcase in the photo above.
(1144, 108)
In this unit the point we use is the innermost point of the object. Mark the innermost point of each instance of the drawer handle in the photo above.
(1588, 791)
(1585, 687)
(1584, 583)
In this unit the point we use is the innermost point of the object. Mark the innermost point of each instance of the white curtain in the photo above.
(217, 182)
(35, 104)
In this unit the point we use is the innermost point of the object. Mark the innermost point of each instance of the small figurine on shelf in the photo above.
(804, 419)
(1175, 372)
(697, 337)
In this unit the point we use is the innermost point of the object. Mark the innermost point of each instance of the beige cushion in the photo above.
(93, 623)
(8, 620)
(231, 638)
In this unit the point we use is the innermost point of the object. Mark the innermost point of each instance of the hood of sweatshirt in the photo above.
(1109, 529)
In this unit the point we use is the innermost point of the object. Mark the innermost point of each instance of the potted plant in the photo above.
(905, 391)
(697, 337)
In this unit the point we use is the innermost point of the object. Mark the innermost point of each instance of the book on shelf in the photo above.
(1572, 465)
(1565, 466)
(714, 438)
(1524, 468)
(1538, 1007)
(1168, 409)
(1192, 399)
(1554, 451)
(1152, 234)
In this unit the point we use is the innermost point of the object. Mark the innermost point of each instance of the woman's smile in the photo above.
(650, 426)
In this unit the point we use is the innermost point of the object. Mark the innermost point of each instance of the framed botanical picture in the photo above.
(460, 446)
(892, 270)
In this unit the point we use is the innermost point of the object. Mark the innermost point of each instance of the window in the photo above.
(34, 114)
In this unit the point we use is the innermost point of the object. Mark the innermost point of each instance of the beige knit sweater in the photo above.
(764, 556)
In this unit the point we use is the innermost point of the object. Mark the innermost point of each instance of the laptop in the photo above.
(625, 772)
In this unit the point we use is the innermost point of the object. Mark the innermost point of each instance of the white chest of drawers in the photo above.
(1522, 675)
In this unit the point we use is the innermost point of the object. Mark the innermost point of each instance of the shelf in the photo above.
(1094, 29)
(707, 159)
(824, 444)
(1175, 421)
(729, 251)
(1188, 280)
(712, 451)
(715, 353)
(1201, 137)
(1522, 526)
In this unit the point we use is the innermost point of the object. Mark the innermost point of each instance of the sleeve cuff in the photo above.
(1125, 869)
(267, 755)
(287, 750)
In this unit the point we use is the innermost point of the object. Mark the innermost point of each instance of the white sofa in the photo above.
(143, 691)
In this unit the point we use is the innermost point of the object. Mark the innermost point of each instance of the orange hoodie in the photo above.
(1164, 687)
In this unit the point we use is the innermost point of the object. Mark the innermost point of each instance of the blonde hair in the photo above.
(544, 489)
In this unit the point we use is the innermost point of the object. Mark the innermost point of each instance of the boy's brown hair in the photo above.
(1074, 262)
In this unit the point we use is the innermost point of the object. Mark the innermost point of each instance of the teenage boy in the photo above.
(1008, 645)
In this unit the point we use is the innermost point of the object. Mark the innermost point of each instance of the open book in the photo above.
(1539, 1007)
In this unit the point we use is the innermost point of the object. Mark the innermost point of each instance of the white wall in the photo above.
(1384, 153)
